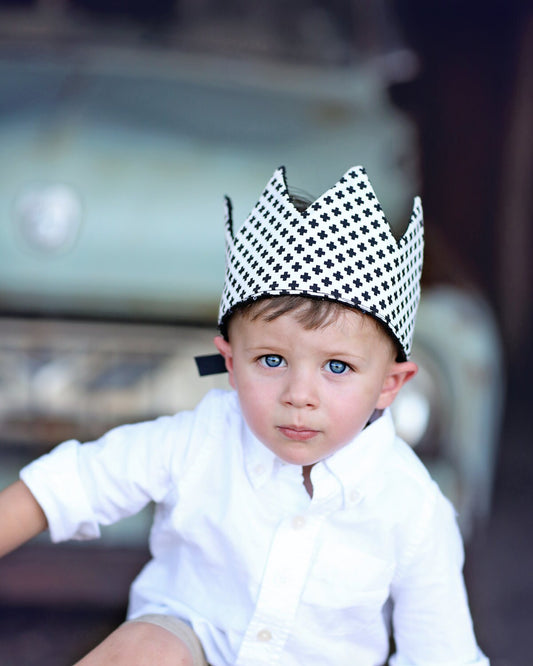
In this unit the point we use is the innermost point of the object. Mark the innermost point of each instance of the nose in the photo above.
(300, 390)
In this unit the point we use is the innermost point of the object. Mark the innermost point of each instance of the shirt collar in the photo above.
(359, 465)
(259, 461)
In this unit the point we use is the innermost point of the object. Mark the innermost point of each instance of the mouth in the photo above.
(297, 433)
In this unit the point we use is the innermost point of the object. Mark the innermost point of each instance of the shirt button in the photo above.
(298, 522)
(264, 636)
(354, 496)
(259, 469)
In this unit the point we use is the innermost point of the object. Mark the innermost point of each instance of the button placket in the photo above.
(298, 522)
(286, 571)
(264, 635)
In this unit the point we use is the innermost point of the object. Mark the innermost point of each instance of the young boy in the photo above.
(292, 526)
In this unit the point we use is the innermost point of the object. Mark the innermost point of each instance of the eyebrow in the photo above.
(277, 348)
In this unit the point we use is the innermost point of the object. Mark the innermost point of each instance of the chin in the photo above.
(300, 458)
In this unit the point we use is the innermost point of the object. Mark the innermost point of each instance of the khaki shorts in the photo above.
(181, 630)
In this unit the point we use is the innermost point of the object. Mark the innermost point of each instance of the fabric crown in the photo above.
(341, 248)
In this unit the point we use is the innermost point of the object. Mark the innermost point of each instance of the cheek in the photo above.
(254, 399)
(257, 413)
(354, 407)
(242, 384)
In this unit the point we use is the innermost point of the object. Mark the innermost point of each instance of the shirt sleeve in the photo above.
(82, 486)
(431, 617)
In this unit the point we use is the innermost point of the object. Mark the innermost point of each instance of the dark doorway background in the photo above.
(473, 105)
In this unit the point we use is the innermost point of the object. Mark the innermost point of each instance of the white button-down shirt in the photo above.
(264, 573)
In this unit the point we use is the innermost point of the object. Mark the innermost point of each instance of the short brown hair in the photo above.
(311, 313)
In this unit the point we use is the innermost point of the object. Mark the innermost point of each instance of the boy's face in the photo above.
(307, 393)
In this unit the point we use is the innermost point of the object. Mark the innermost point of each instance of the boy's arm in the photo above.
(21, 517)
(431, 616)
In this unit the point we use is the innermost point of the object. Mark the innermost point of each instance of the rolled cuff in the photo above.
(73, 519)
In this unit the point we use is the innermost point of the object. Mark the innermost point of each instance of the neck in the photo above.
(308, 485)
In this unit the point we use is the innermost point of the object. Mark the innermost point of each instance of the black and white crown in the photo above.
(340, 249)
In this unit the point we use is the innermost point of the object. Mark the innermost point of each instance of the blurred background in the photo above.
(122, 125)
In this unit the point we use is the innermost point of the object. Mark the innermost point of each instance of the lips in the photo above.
(298, 434)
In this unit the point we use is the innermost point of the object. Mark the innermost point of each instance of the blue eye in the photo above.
(272, 360)
(337, 367)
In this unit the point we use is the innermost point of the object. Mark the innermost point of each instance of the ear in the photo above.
(224, 348)
(398, 375)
